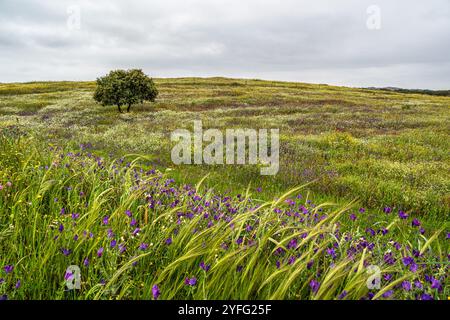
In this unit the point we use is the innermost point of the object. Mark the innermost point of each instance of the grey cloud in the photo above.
(323, 41)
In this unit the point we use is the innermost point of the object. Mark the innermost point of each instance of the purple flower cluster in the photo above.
(190, 281)
(124, 237)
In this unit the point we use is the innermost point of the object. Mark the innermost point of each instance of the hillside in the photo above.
(384, 148)
(363, 188)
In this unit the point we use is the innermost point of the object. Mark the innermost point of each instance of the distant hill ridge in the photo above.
(445, 93)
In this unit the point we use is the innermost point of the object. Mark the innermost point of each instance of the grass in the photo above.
(383, 149)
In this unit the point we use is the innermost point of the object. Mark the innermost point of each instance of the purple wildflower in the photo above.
(407, 261)
(389, 258)
(113, 243)
(105, 220)
(387, 210)
(68, 275)
(155, 292)
(388, 294)
(415, 223)
(418, 284)
(66, 252)
(353, 217)
(406, 285)
(413, 267)
(204, 266)
(18, 284)
(279, 251)
(436, 284)
(190, 281)
(370, 231)
(342, 295)
(110, 233)
(61, 227)
(8, 268)
(133, 222)
(291, 260)
(136, 231)
(292, 244)
(402, 215)
(331, 252)
(416, 253)
(426, 296)
(315, 285)
(168, 241)
(143, 246)
(86, 262)
(75, 216)
(100, 252)
(388, 277)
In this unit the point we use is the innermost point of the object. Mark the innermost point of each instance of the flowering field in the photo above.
(359, 209)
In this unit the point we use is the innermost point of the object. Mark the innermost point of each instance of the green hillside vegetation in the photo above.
(383, 148)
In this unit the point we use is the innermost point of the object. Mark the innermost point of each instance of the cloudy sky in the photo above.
(404, 43)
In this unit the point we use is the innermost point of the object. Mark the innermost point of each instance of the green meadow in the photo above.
(382, 148)
(342, 151)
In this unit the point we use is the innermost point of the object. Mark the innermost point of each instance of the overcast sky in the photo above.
(404, 43)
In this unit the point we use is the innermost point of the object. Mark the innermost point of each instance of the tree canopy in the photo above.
(125, 88)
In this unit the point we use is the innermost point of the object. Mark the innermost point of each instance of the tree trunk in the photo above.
(129, 107)
(118, 107)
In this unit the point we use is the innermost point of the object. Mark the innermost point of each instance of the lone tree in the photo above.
(125, 88)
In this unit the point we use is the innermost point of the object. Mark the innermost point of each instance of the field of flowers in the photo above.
(359, 210)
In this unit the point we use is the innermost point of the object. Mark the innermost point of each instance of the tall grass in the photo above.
(60, 208)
